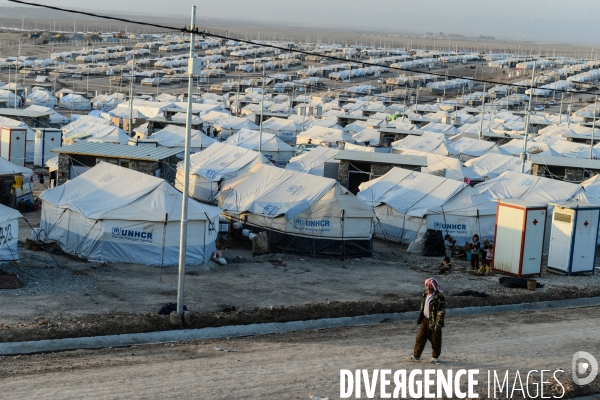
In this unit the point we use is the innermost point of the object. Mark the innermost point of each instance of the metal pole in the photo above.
(186, 179)
(524, 153)
(560, 111)
(482, 113)
(262, 107)
(593, 128)
(131, 83)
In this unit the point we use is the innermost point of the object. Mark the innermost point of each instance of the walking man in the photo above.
(431, 321)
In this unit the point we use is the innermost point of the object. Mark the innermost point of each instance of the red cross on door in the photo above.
(18, 138)
(535, 221)
(52, 139)
(585, 224)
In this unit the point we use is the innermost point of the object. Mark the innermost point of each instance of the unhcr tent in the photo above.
(401, 199)
(75, 102)
(285, 129)
(272, 147)
(535, 189)
(174, 136)
(210, 168)
(41, 98)
(9, 233)
(429, 142)
(320, 135)
(301, 213)
(467, 213)
(115, 214)
(313, 162)
(491, 165)
(369, 135)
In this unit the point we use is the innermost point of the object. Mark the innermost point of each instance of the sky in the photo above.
(564, 21)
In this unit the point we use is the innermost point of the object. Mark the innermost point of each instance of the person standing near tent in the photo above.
(475, 248)
(431, 322)
(449, 244)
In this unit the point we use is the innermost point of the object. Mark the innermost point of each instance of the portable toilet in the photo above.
(519, 237)
(573, 237)
(45, 140)
(13, 145)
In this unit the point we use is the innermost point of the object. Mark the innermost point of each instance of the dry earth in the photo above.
(296, 365)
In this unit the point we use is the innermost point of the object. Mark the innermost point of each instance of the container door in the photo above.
(560, 239)
(17, 147)
(534, 242)
(584, 247)
(507, 243)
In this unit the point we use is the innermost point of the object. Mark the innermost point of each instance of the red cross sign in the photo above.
(535, 221)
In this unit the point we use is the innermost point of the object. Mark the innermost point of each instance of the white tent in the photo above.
(41, 98)
(174, 136)
(313, 161)
(75, 102)
(467, 213)
(55, 118)
(216, 164)
(115, 214)
(230, 125)
(301, 212)
(447, 167)
(469, 148)
(9, 233)
(370, 135)
(285, 129)
(272, 147)
(429, 142)
(91, 132)
(401, 199)
(515, 148)
(535, 189)
(492, 165)
(10, 98)
(319, 135)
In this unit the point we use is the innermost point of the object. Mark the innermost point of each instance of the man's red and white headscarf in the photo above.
(431, 282)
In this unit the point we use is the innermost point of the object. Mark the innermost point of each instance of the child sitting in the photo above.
(446, 266)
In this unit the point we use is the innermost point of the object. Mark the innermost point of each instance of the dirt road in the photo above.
(294, 366)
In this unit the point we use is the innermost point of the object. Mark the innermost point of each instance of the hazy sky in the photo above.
(574, 21)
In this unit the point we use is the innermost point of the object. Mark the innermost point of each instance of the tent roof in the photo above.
(409, 192)
(535, 189)
(271, 191)
(219, 160)
(312, 162)
(133, 195)
(491, 165)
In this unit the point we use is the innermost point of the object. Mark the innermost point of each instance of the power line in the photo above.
(205, 34)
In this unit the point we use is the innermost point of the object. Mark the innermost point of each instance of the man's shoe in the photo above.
(413, 358)
(435, 361)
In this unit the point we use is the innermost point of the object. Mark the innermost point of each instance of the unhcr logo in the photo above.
(131, 234)
(270, 209)
(452, 227)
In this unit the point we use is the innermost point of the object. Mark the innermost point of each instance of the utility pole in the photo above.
(262, 107)
(562, 95)
(131, 84)
(593, 128)
(524, 153)
(482, 113)
(186, 178)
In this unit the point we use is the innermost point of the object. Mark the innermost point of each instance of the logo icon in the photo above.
(584, 363)
(437, 225)
(297, 222)
(116, 231)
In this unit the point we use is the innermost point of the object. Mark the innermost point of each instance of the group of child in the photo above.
(475, 249)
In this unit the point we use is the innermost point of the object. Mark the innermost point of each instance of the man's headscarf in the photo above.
(431, 282)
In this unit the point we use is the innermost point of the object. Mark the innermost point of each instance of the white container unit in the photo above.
(45, 140)
(13, 145)
(573, 238)
(519, 237)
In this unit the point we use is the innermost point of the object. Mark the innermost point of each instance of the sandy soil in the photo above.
(297, 365)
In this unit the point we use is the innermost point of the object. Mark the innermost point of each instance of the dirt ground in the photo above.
(65, 297)
(304, 364)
